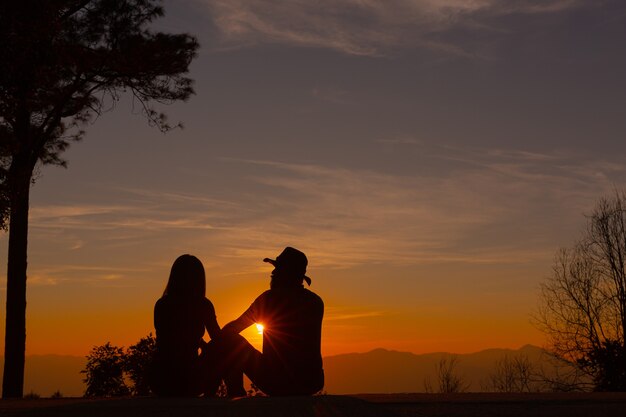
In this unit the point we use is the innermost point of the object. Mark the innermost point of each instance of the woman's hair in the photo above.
(187, 278)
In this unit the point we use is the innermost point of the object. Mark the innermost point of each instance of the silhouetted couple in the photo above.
(291, 361)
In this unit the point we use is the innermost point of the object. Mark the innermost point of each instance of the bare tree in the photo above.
(582, 307)
(447, 377)
(512, 374)
(558, 375)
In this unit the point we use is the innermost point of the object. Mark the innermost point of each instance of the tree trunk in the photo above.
(15, 336)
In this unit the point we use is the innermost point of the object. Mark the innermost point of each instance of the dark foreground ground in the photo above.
(365, 405)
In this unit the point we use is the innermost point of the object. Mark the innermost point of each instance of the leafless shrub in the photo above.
(512, 374)
(447, 377)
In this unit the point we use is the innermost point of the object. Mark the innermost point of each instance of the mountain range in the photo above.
(377, 371)
(388, 371)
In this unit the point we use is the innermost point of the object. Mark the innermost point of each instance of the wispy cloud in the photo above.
(400, 140)
(364, 27)
(52, 275)
(40, 214)
(489, 206)
(142, 210)
(492, 206)
(345, 314)
(535, 6)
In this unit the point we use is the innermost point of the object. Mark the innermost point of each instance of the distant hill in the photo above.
(45, 374)
(378, 371)
(388, 371)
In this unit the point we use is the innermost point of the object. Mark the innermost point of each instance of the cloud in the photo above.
(534, 6)
(365, 27)
(151, 211)
(488, 206)
(74, 211)
(401, 140)
(346, 314)
(491, 206)
(58, 274)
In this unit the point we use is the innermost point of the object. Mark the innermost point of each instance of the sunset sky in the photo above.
(429, 156)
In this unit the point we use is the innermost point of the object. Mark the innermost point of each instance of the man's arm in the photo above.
(248, 318)
(237, 326)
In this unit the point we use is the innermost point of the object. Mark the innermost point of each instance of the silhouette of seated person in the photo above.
(291, 361)
(181, 316)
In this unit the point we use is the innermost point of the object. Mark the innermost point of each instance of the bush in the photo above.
(32, 396)
(112, 371)
(138, 364)
(105, 372)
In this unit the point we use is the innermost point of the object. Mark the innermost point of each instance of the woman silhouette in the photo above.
(181, 316)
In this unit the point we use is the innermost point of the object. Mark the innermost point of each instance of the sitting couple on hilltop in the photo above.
(291, 362)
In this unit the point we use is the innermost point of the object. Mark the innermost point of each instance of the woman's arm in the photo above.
(211, 321)
(213, 328)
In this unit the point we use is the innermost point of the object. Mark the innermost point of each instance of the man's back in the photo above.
(292, 320)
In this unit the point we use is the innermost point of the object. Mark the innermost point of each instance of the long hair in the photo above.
(187, 278)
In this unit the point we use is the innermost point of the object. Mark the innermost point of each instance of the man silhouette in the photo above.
(291, 315)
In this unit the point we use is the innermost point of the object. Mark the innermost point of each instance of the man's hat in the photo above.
(293, 260)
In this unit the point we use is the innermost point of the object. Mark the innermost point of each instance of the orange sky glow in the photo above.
(415, 313)
(429, 157)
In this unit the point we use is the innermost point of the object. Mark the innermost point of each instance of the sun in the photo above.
(259, 328)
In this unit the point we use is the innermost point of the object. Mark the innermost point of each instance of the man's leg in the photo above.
(234, 356)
